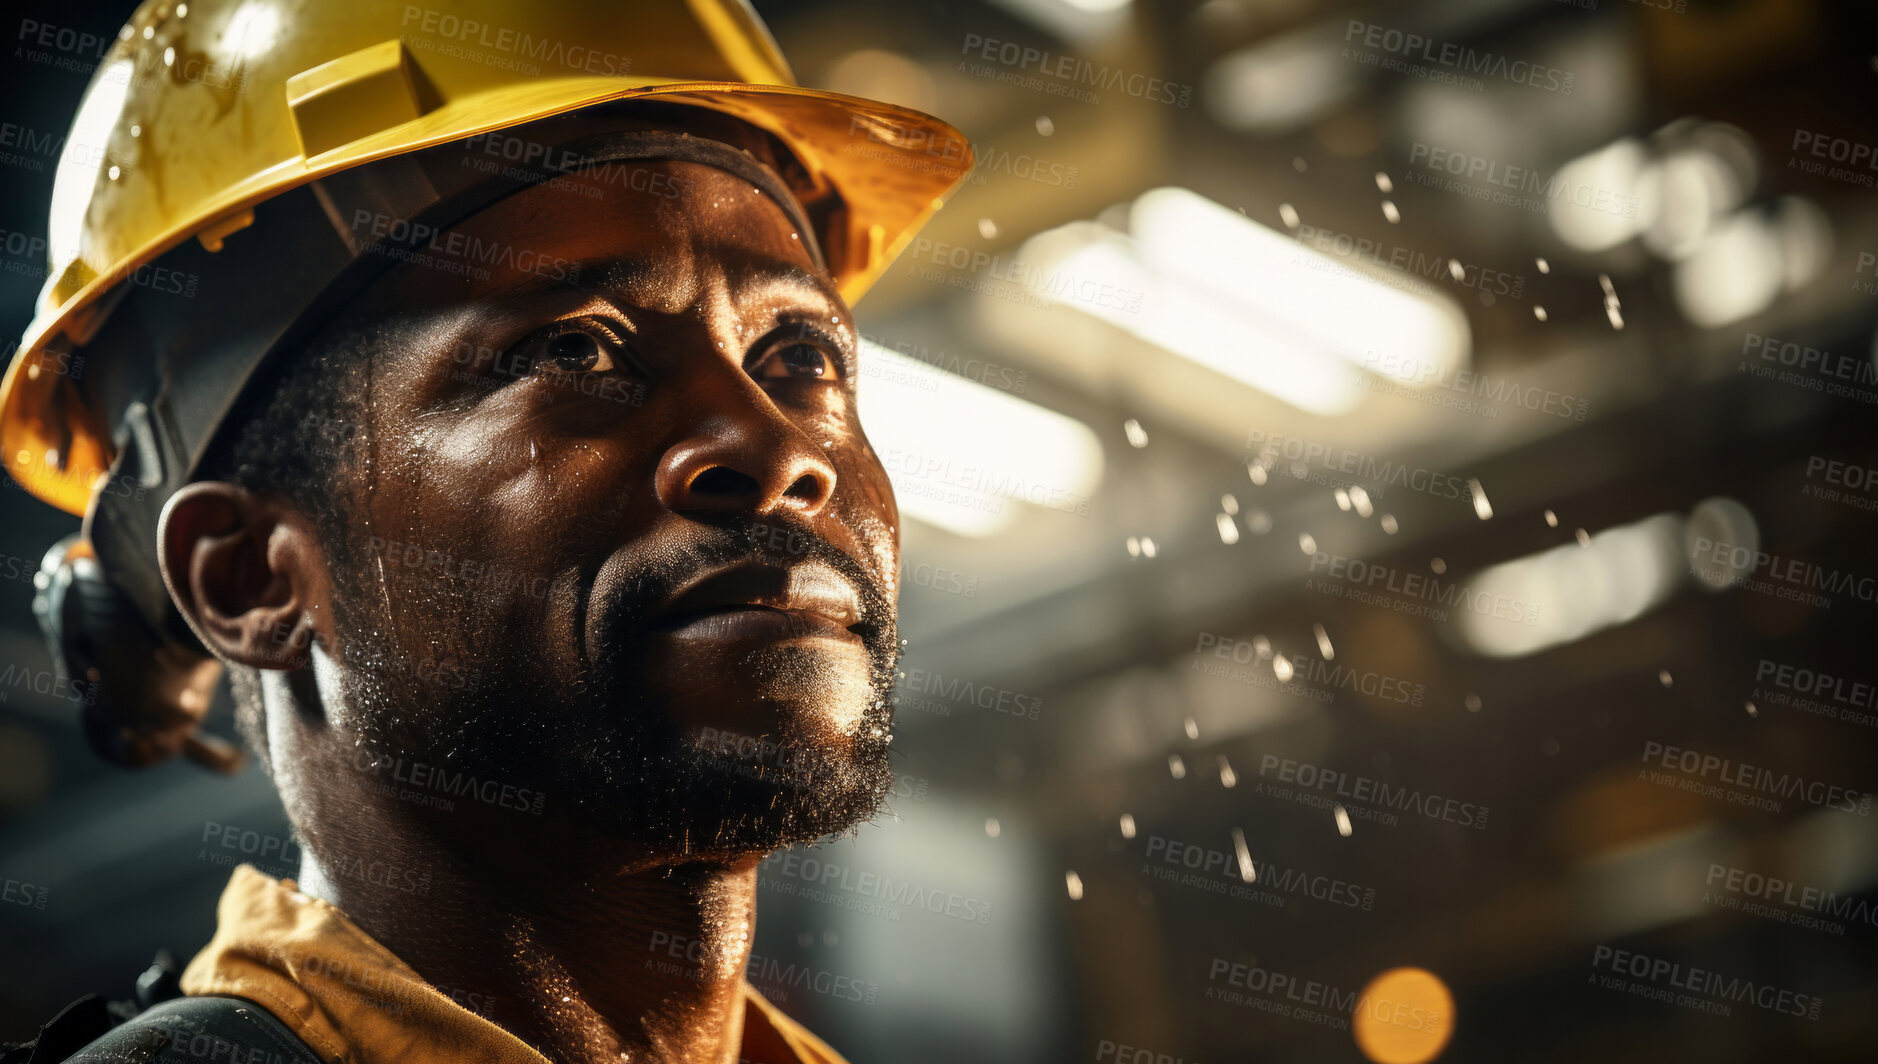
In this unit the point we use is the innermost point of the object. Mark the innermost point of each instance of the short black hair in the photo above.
(296, 433)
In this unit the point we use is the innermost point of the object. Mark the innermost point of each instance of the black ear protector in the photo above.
(142, 695)
(76, 607)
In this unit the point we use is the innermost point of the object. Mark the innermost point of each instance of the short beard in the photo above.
(605, 760)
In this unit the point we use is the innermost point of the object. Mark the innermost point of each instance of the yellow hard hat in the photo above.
(204, 109)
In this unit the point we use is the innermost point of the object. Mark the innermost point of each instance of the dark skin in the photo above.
(597, 453)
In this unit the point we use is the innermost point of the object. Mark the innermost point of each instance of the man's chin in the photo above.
(742, 797)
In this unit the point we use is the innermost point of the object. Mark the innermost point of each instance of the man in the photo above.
(508, 458)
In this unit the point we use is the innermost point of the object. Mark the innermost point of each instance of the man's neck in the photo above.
(583, 963)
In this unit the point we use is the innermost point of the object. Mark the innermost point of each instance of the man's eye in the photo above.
(579, 346)
(802, 360)
(577, 352)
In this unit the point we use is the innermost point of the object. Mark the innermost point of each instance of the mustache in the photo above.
(627, 604)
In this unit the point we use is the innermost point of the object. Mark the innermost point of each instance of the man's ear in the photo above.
(247, 573)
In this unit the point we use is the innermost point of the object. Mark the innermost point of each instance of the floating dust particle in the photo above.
(1307, 543)
(1289, 215)
(1137, 436)
(1282, 668)
(1438, 565)
(1128, 825)
(1389, 211)
(1247, 872)
(1663, 677)
(1343, 820)
(1227, 777)
(1551, 519)
(1584, 538)
(1074, 883)
(1538, 312)
(1383, 184)
(1388, 524)
(1472, 702)
(1228, 532)
(1192, 728)
(992, 827)
(1323, 641)
(1544, 266)
(1482, 508)
(1176, 767)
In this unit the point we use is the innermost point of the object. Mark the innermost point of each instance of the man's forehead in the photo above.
(647, 243)
(668, 279)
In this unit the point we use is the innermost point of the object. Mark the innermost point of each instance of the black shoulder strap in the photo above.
(195, 1030)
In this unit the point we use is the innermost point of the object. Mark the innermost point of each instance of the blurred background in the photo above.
(1388, 488)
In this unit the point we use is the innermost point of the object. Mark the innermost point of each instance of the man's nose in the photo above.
(745, 457)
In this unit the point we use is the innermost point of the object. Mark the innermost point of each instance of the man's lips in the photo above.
(761, 601)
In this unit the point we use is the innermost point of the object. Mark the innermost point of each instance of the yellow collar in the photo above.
(353, 1002)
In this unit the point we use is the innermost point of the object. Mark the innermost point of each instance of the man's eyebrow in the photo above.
(600, 276)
